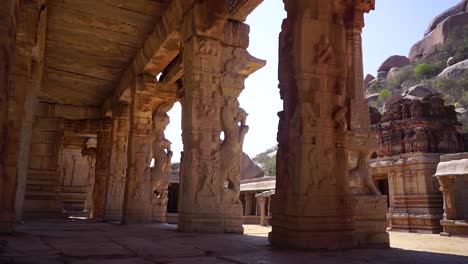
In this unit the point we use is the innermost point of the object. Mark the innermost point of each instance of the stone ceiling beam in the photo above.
(160, 48)
(173, 71)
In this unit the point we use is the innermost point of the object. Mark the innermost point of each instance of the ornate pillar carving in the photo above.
(137, 206)
(322, 103)
(216, 64)
(447, 188)
(367, 204)
(162, 155)
(118, 164)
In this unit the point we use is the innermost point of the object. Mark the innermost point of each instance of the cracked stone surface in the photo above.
(87, 242)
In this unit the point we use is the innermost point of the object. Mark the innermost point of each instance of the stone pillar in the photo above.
(261, 203)
(137, 206)
(368, 205)
(9, 16)
(162, 155)
(103, 161)
(90, 153)
(16, 116)
(310, 208)
(216, 64)
(118, 164)
(269, 206)
(447, 188)
(248, 203)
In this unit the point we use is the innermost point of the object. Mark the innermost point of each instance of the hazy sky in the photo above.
(391, 29)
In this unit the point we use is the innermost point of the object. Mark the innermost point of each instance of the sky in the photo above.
(391, 29)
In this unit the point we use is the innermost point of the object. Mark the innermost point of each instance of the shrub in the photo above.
(454, 90)
(384, 94)
(375, 87)
(405, 74)
(426, 71)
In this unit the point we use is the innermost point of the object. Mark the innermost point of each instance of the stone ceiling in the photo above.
(90, 43)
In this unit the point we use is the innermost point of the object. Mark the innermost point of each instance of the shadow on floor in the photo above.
(86, 242)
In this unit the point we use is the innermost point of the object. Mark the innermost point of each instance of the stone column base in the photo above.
(370, 223)
(137, 217)
(159, 214)
(415, 223)
(112, 216)
(229, 222)
(454, 227)
(322, 232)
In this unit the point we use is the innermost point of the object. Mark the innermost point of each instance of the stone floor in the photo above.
(84, 242)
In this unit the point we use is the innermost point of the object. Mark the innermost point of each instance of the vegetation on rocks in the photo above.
(267, 161)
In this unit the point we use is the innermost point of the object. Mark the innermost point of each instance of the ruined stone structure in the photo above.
(452, 174)
(72, 71)
(411, 136)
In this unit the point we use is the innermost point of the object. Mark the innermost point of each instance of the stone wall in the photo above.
(51, 131)
(415, 201)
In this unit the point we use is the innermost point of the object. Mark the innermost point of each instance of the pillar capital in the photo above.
(206, 18)
(354, 12)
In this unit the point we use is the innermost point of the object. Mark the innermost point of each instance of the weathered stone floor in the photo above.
(84, 242)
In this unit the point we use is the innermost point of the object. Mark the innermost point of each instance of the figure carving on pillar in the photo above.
(446, 187)
(162, 155)
(361, 182)
(90, 153)
(233, 120)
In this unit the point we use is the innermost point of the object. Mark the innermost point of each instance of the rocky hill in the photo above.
(267, 161)
(436, 64)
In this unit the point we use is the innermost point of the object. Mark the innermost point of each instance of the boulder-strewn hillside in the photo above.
(436, 64)
(267, 161)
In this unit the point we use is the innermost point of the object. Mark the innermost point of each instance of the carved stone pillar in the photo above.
(367, 204)
(447, 188)
(90, 153)
(103, 161)
(137, 206)
(162, 155)
(16, 101)
(118, 164)
(309, 209)
(216, 64)
(9, 14)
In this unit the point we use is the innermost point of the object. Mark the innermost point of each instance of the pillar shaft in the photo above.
(308, 206)
(103, 161)
(319, 75)
(137, 207)
(447, 188)
(9, 14)
(118, 164)
(162, 155)
(216, 64)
